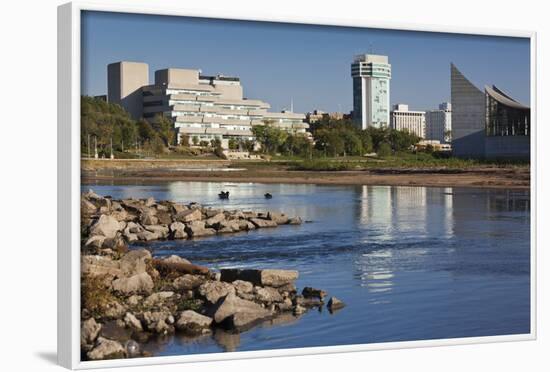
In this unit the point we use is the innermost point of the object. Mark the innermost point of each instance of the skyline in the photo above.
(306, 64)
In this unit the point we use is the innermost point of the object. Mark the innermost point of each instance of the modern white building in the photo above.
(371, 76)
(201, 107)
(411, 121)
(439, 124)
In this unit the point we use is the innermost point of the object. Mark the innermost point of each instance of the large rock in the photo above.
(309, 292)
(235, 313)
(189, 215)
(188, 282)
(94, 242)
(267, 277)
(215, 219)
(335, 304)
(164, 218)
(193, 323)
(177, 230)
(87, 207)
(261, 223)
(100, 266)
(214, 290)
(160, 230)
(295, 221)
(140, 283)
(158, 321)
(147, 235)
(148, 218)
(174, 259)
(106, 226)
(135, 262)
(279, 218)
(157, 298)
(230, 226)
(197, 229)
(268, 295)
(133, 322)
(89, 331)
(107, 349)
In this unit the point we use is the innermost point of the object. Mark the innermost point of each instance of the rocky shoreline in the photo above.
(129, 297)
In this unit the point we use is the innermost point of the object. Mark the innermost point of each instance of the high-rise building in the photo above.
(411, 121)
(371, 76)
(487, 124)
(438, 123)
(201, 107)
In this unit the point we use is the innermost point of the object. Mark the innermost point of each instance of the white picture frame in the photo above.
(69, 69)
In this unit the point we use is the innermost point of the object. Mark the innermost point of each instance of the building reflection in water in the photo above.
(388, 215)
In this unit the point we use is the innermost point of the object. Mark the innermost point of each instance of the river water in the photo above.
(411, 263)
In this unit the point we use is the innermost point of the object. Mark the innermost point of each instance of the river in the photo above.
(411, 263)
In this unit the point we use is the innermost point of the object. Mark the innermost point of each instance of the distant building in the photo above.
(317, 115)
(205, 107)
(436, 145)
(371, 76)
(487, 124)
(411, 121)
(438, 123)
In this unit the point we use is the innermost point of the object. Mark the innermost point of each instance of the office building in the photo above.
(438, 123)
(411, 121)
(487, 124)
(201, 107)
(371, 76)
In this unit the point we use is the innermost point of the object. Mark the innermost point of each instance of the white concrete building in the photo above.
(411, 121)
(201, 107)
(439, 123)
(371, 90)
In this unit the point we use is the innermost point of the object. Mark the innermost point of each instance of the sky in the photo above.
(306, 64)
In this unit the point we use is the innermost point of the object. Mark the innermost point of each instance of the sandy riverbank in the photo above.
(154, 171)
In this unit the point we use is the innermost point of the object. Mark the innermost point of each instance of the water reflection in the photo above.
(423, 263)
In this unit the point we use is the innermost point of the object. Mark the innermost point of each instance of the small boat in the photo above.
(224, 195)
(268, 195)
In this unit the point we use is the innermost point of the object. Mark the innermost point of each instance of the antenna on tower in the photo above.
(291, 104)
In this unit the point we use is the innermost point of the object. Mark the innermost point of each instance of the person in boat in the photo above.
(224, 195)
(268, 195)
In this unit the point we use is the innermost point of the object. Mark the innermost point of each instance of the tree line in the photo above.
(108, 127)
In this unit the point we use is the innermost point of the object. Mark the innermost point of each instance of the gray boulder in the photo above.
(268, 295)
(160, 230)
(89, 331)
(261, 223)
(132, 322)
(140, 283)
(267, 277)
(212, 291)
(107, 349)
(106, 226)
(188, 282)
(135, 262)
(189, 215)
(279, 218)
(193, 323)
(335, 304)
(238, 314)
(177, 230)
(215, 219)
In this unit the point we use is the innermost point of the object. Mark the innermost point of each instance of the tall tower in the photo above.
(371, 90)
(124, 82)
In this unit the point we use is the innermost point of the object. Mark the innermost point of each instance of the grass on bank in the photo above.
(399, 161)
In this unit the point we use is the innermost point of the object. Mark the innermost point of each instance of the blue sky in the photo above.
(308, 64)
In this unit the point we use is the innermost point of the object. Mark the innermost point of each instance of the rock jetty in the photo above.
(129, 297)
(110, 225)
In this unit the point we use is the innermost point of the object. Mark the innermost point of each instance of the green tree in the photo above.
(165, 129)
(195, 140)
(384, 150)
